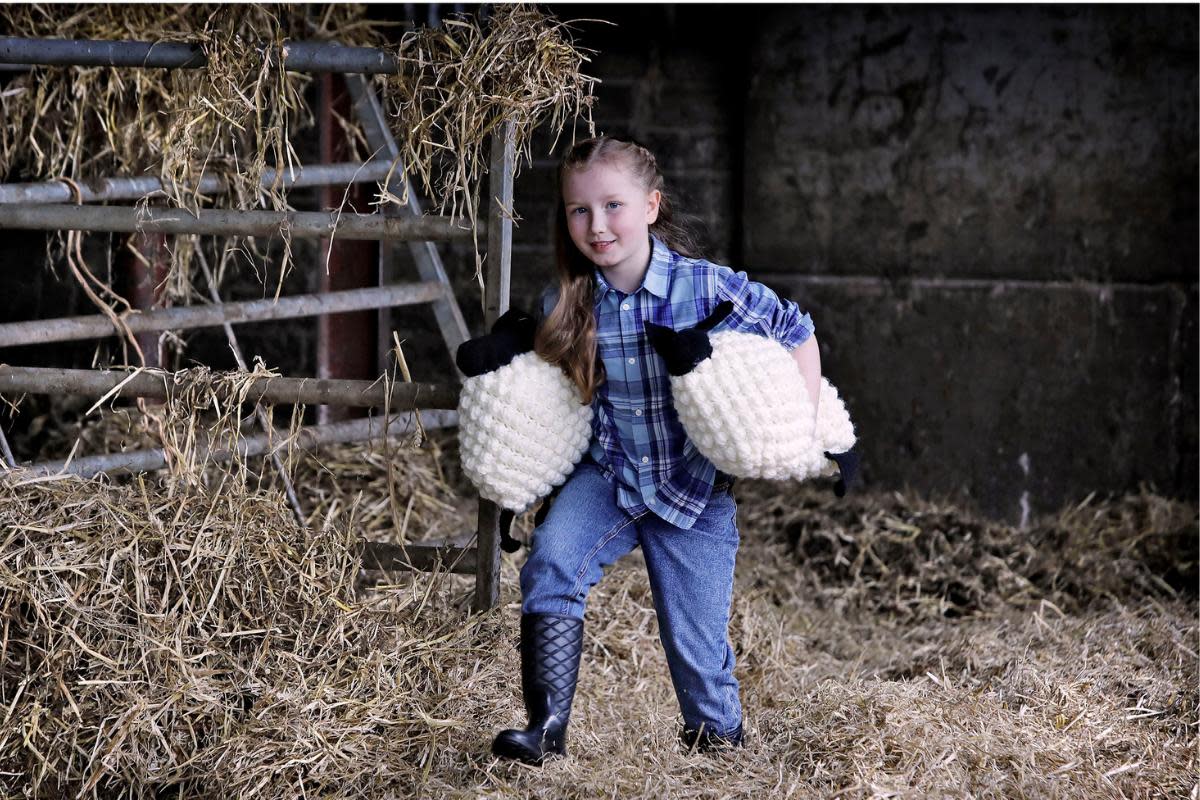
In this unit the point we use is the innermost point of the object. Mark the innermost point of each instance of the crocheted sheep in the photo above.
(745, 406)
(522, 426)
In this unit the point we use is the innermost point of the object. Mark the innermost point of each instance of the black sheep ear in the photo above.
(512, 335)
(519, 326)
(682, 350)
(662, 339)
(723, 310)
(512, 320)
(473, 356)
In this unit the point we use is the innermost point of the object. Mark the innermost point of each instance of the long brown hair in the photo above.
(567, 338)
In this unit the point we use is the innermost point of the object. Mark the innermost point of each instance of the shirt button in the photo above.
(637, 412)
(625, 307)
(645, 459)
(632, 360)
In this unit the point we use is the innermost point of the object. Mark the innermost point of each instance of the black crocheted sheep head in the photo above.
(512, 334)
(684, 350)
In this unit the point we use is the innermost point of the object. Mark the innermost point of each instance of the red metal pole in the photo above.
(346, 343)
(144, 264)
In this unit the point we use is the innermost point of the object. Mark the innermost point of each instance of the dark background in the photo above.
(989, 211)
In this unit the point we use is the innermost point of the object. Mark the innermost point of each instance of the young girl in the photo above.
(623, 260)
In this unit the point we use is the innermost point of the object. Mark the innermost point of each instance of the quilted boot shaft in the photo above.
(551, 646)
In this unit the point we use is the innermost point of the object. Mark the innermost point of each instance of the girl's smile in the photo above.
(608, 219)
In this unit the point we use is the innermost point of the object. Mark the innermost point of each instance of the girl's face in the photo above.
(609, 216)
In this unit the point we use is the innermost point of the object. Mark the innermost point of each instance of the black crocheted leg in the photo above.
(848, 466)
(507, 543)
(540, 516)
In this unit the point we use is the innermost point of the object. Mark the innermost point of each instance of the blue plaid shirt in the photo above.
(637, 439)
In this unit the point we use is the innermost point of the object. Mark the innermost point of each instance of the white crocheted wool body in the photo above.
(835, 431)
(522, 429)
(747, 410)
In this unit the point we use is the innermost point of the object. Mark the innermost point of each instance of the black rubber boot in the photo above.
(706, 741)
(550, 649)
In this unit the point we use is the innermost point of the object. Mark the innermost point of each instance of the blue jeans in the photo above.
(691, 578)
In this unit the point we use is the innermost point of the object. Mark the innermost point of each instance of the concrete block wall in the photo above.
(991, 214)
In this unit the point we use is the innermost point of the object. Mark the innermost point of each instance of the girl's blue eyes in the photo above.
(581, 208)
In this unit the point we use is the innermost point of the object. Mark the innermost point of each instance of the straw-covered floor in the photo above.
(188, 639)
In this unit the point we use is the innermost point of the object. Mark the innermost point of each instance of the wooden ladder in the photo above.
(436, 401)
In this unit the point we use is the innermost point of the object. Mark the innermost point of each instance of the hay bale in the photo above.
(241, 112)
(152, 635)
(233, 117)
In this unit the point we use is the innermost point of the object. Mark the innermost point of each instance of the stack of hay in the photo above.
(156, 637)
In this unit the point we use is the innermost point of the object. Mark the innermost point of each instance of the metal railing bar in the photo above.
(297, 56)
(495, 303)
(153, 384)
(357, 430)
(417, 557)
(125, 188)
(6, 455)
(224, 222)
(461, 540)
(95, 326)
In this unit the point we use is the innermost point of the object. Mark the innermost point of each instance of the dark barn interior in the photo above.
(991, 214)
(1001, 199)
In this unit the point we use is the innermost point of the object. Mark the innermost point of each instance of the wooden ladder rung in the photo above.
(419, 557)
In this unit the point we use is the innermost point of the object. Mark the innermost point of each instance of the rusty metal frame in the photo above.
(356, 430)
(156, 384)
(406, 224)
(424, 253)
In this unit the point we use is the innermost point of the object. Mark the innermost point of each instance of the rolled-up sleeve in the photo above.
(758, 308)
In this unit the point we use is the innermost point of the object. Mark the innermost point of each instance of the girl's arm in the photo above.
(756, 307)
(808, 359)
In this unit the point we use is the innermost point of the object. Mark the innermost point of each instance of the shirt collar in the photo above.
(658, 274)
